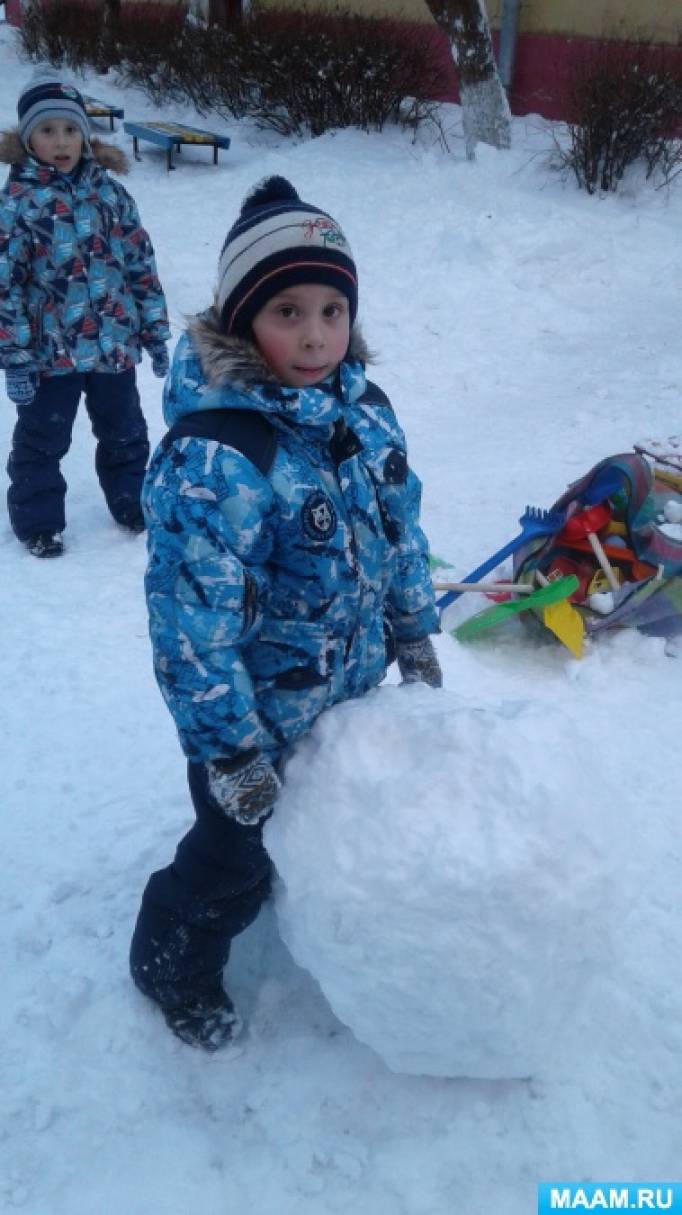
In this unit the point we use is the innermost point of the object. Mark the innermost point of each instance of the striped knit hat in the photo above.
(279, 242)
(46, 97)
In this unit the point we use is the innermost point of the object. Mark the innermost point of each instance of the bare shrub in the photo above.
(293, 72)
(151, 47)
(216, 77)
(625, 106)
(66, 33)
(349, 71)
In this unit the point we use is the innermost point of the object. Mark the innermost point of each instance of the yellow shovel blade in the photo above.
(567, 624)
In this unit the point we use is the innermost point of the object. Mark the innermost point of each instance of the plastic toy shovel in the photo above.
(563, 620)
(534, 522)
(554, 592)
(585, 526)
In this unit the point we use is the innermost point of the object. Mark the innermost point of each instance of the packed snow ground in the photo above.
(524, 331)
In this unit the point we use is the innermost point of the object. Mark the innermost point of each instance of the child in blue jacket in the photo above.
(79, 299)
(286, 570)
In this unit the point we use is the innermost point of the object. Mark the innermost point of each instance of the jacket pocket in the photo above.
(297, 670)
(295, 655)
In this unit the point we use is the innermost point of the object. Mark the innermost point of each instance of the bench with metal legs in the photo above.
(172, 135)
(100, 109)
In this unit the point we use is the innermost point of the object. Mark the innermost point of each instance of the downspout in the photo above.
(509, 29)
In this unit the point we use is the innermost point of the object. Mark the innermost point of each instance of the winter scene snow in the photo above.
(466, 981)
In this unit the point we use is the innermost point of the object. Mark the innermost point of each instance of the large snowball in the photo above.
(443, 877)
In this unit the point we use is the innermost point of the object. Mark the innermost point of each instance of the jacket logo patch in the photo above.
(319, 516)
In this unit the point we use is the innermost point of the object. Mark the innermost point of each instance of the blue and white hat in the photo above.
(279, 242)
(45, 97)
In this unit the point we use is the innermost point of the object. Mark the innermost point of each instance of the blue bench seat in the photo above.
(95, 108)
(170, 135)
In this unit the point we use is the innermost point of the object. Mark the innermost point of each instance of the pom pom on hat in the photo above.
(277, 242)
(269, 190)
(45, 97)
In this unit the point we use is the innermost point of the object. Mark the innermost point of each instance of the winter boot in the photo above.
(128, 513)
(179, 966)
(208, 1021)
(45, 544)
(135, 525)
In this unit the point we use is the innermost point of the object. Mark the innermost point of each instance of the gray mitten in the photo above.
(22, 384)
(245, 788)
(418, 662)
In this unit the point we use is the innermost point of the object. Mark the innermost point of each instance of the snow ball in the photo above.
(444, 876)
(601, 602)
(673, 511)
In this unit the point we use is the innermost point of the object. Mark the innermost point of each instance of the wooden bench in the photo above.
(171, 135)
(100, 109)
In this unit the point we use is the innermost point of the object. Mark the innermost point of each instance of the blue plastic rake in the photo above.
(534, 522)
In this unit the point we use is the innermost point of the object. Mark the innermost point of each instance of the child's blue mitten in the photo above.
(159, 357)
(21, 383)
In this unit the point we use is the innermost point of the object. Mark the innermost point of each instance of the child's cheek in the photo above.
(275, 349)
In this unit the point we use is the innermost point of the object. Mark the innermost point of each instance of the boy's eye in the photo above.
(333, 310)
(286, 311)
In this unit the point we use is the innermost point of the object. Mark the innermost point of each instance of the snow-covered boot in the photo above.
(46, 544)
(209, 1021)
(180, 968)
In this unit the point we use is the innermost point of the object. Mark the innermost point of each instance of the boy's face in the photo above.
(303, 333)
(57, 142)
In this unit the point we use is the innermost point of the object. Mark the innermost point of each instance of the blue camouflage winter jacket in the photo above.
(79, 289)
(270, 593)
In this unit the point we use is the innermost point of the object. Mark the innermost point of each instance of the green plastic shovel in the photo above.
(554, 592)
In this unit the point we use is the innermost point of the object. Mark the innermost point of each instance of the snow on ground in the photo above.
(525, 331)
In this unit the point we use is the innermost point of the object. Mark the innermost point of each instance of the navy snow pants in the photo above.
(191, 910)
(42, 437)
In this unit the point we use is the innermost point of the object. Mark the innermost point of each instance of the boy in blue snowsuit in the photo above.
(79, 298)
(286, 570)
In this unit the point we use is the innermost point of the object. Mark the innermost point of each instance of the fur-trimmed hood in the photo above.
(107, 155)
(226, 359)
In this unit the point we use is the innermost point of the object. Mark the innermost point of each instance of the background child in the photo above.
(286, 570)
(79, 297)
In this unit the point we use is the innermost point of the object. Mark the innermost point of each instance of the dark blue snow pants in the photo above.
(42, 437)
(192, 909)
